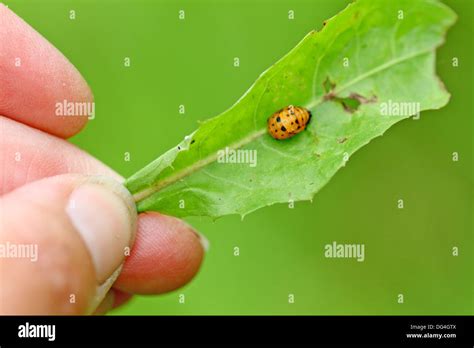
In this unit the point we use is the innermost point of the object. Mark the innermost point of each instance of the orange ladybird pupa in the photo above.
(288, 122)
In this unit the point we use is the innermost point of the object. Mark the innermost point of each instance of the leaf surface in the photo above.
(369, 67)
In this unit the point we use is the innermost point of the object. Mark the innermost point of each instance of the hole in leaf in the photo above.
(328, 85)
(351, 103)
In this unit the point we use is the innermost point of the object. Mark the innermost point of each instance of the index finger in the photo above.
(38, 85)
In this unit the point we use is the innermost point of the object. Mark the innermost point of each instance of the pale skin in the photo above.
(44, 183)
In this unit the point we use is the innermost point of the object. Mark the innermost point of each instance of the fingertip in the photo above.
(79, 228)
(166, 255)
(40, 86)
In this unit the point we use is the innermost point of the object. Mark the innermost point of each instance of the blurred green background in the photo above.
(407, 251)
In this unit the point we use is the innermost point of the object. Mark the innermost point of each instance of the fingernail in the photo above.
(103, 213)
(204, 241)
(103, 290)
(106, 305)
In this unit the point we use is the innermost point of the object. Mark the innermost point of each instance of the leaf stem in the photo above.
(179, 175)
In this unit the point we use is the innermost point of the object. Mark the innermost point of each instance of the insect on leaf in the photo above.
(349, 75)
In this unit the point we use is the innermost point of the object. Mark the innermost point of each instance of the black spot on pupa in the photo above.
(193, 141)
(278, 119)
(283, 128)
(179, 148)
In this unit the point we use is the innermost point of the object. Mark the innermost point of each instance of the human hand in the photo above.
(66, 205)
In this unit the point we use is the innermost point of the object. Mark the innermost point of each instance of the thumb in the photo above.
(62, 243)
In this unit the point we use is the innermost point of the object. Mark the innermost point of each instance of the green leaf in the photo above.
(369, 60)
